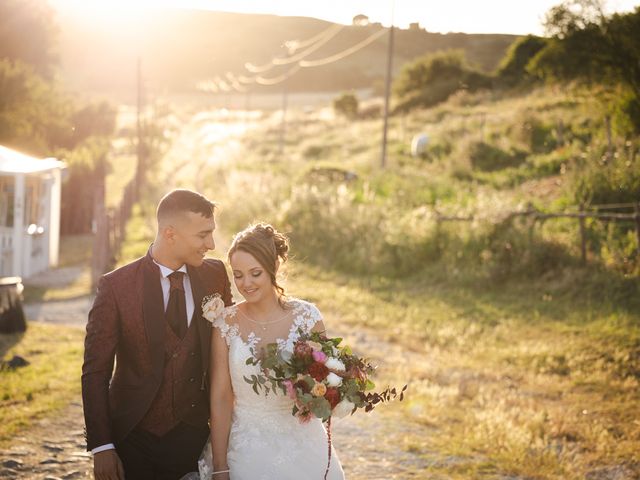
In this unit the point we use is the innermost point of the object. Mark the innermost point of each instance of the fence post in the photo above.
(637, 209)
(583, 235)
(560, 132)
(607, 122)
(532, 223)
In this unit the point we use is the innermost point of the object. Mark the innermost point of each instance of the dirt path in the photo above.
(52, 449)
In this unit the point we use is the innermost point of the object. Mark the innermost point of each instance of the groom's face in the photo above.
(192, 237)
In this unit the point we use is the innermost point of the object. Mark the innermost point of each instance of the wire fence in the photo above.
(582, 213)
(110, 231)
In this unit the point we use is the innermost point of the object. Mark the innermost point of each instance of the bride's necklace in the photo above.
(264, 325)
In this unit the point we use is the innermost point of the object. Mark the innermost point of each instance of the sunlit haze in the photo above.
(470, 16)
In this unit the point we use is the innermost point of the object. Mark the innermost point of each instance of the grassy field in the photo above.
(531, 359)
(512, 382)
(47, 384)
(527, 362)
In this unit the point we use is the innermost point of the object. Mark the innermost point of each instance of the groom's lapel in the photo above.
(204, 327)
(153, 312)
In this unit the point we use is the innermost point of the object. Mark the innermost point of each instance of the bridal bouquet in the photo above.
(322, 378)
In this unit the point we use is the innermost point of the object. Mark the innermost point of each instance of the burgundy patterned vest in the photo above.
(180, 396)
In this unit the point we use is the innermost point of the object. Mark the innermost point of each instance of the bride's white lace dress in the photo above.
(266, 441)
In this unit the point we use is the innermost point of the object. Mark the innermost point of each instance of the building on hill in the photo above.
(360, 20)
(30, 192)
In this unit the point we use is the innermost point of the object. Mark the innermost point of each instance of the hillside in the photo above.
(181, 47)
(525, 361)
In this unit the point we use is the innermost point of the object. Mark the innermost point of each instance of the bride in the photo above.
(254, 436)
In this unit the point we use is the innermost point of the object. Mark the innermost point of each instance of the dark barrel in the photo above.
(11, 314)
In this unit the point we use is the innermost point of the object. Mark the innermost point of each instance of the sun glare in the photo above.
(107, 12)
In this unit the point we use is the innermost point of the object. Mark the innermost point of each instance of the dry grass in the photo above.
(47, 384)
(504, 391)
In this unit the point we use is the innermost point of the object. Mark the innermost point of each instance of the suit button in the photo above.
(193, 354)
(193, 405)
(175, 355)
(192, 379)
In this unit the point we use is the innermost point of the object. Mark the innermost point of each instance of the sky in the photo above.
(469, 16)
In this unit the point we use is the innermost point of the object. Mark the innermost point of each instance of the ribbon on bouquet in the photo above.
(329, 444)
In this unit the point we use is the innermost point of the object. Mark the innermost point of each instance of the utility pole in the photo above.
(387, 92)
(140, 149)
(283, 124)
(247, 106)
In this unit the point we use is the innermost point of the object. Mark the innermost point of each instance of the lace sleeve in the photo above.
(223, 324)
(309, 316)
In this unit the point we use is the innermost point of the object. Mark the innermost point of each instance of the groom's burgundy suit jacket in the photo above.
(126, 324)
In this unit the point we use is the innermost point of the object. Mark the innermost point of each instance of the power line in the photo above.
(320, 62)
(344, 53)
(311, 49)
(236, 82)
(292, 46)
(276, 80)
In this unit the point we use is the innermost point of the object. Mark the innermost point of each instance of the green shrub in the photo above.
(434, 78)
(346, 105)
(535, 135)
(317, 152)
(513, 68)
(486, 157)
(599, 179)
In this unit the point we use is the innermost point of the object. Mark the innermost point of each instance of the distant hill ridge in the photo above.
(182, 47)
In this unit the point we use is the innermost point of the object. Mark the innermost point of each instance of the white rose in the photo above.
(334, 380)
(212, 307)
(334, 364)
(343, 409)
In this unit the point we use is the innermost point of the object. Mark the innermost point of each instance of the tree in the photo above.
(513, 68)
(578, 55)
(433, 78)
(572, 15)
(33, 114)
(347, 105)
(28, 34)
(594, 49)
(622, 40)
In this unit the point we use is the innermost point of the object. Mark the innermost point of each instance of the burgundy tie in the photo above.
(176, 313)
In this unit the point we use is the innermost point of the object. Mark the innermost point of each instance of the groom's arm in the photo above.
(99, 353)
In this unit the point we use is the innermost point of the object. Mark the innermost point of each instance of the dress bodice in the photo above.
(305, 316)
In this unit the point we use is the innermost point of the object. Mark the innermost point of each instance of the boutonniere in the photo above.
(212, 307)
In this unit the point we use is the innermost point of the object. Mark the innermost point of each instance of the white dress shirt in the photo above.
(166, 286)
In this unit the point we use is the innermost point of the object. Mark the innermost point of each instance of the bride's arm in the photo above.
(221, 402)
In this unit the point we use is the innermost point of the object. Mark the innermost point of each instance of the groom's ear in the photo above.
(168, 233)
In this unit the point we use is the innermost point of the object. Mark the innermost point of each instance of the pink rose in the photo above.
(319, 356)
(291, 391)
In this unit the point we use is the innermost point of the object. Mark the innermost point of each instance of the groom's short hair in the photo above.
(181, 201)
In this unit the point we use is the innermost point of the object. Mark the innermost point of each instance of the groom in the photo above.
(148, 418)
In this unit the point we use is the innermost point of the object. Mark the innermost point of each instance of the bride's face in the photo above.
(251, 279)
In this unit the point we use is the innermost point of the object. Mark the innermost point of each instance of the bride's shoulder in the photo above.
(305, 310)
(230, 310)
(226, 324)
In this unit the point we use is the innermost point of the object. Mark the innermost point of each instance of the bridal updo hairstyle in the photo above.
(268, 246)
